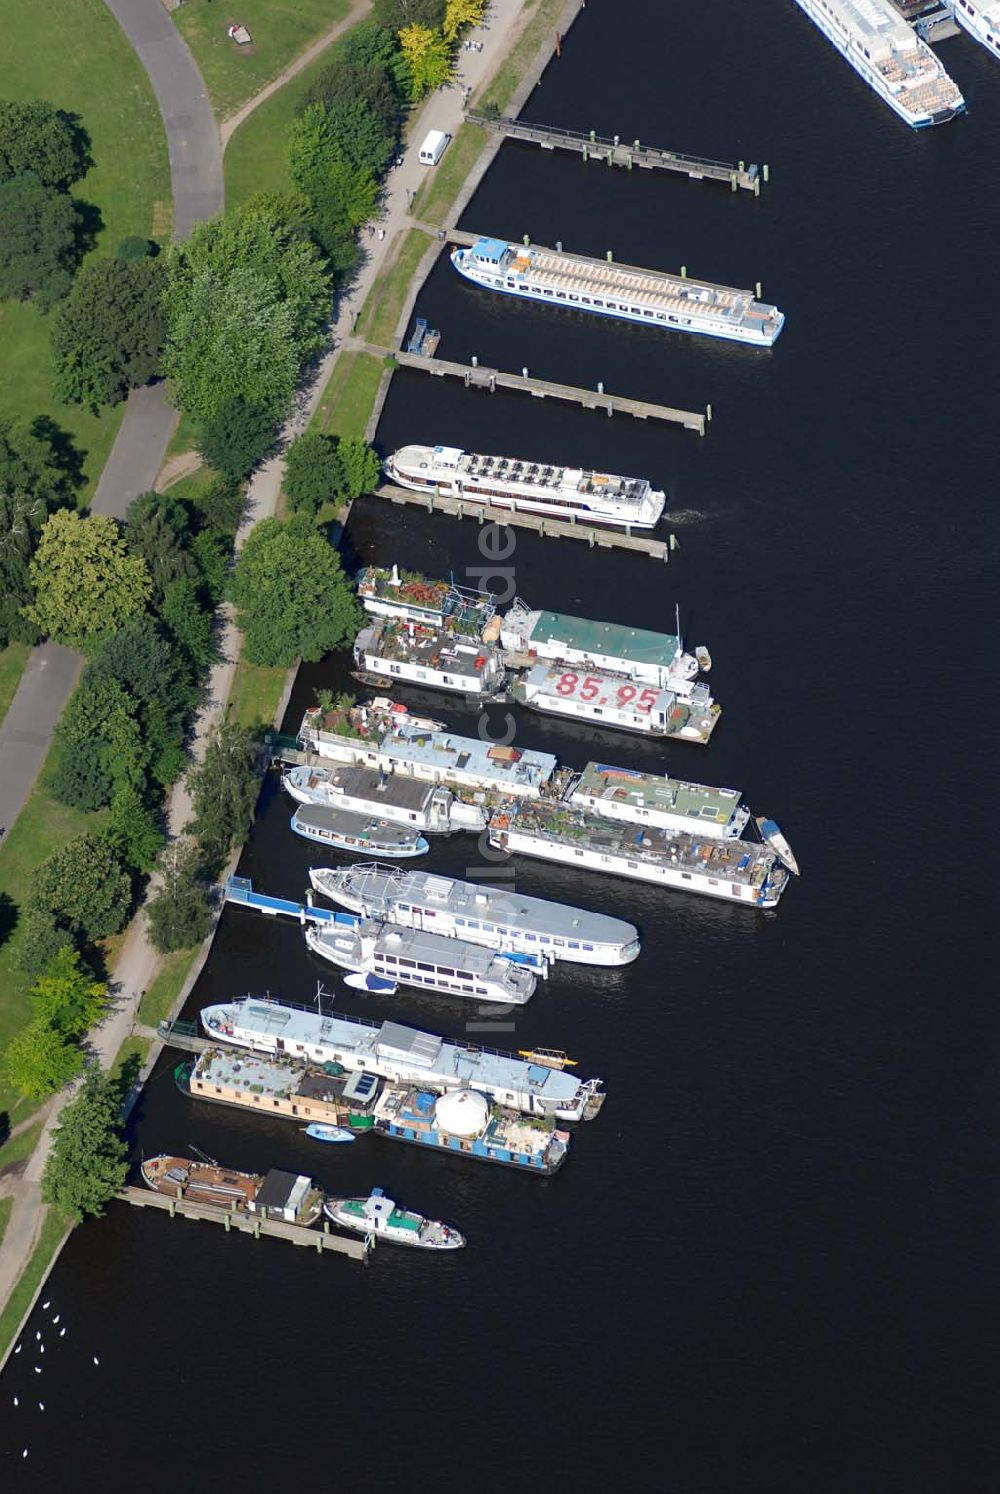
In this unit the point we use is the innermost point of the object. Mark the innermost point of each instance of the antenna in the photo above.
(677, 615)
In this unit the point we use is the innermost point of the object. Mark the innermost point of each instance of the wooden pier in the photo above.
(615, 151)
(475, 376)
(602, 539)
(247, 1224)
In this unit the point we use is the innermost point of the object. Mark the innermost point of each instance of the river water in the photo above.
(766, 1266)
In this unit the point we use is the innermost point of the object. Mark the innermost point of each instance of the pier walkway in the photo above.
(247, 1224)
(239, 890)
(618, 152)
(602, 539)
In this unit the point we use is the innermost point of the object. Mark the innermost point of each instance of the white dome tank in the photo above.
(462, 1112)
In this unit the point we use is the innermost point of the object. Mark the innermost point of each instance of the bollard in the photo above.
(708, 412)
(617, 139)
(635, 145)
(742, 167)
(227, 1220)
(600, 386)
(461, 510)
(319, 1244)
(586, 157)
(628, 531)
(609, 255)
(767, 172)
(733, 183)
(674, 545)
(524, 373)
(256, 1229)
(628, 162)
(326, 1226)
(559, 245)
(684, 271)
(526, 240)
(758, 290)
(756, 186)
(475, 360)
(173, 1208)
(590, 539)
(593, 136)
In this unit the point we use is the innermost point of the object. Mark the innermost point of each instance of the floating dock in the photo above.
(614, 151)
(603, 539)
(320, 1240)
(475, 376)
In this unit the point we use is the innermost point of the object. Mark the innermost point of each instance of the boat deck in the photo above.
(626, 788)
(436, 649)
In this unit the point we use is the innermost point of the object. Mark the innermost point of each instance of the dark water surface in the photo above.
(768, 1265)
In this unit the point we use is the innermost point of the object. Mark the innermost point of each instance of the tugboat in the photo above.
(379, 1217)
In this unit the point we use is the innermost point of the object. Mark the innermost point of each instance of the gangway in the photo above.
(239, 890)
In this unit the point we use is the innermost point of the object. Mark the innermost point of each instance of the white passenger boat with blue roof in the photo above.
(890, 57)
(427, 962)
(981, 19)
(495, 917)
(402, 1054)
(378, 1218)
(529, 487)
(669, 303)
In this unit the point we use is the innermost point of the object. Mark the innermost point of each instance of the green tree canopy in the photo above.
(67, 997)
(342, 193)
(108, 333)
(21, 520)
(36, 459)
(365, 73)
(395, 14)
(39, 227)
(238, 438)
(428, 57)
(41, 940)
(314, 472)
(362, 468)
(157, 527)
(142, 661)
(38, 137)
(134, 829)
(39, 1060)
(292, 597)
(189, 625)
(224, 789)
(85, 888)
(246, 306)
(86, 583)
(102, 742)
(179, 915)
(88, 1163)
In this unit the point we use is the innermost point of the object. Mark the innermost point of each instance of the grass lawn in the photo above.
(159, 1000)
(132, 1047)
(20, 1146)
(12, 661)
(257, 689)
(6, 1204)
(73, 53)
(434, 199)
(42, 827)
(54, 1229)
(378, 316)
(501, 86)
(349, 395)
(281, 29)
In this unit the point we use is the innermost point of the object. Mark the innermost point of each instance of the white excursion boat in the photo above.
(357, 832)
(670, 303)
(890, 57)
(396, 797)
(428, 962)
(527, 487)
(981, 19)
(379, 1217)
(494, 917)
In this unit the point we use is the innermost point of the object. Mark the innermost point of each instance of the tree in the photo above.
(38, 240)
(86, 583)
(365, 73)
(428, 57)
(67, 997)
(133, 829)
(247, 303)
(395, 14)
(180, 914)
(108, 333)
(88, 1163)
(85, 888)
(189, 625)
(21, 519)
(341, 190)
(103, 745)
(362, 468)
(238, 438)
(157, 527)
(41, 941)
(37, 459)
(224, 789)
(141, 660)
(39, 1060)
(459, 14)
(314, 472)
(40, 138)
(292, 596)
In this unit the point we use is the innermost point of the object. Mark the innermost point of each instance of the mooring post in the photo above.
(628, 162)
(559, 245)
(475, 360)
(684, 272)
(635, 145)
(524, 373)
(708, 412)
(173, 1208)
(733, 183)
(742, 167)
(609, 255)
(527, 240)
(319, 1244)
(227, 1220)
(586, 157)
(600, 386)
(767, 172)
(674, 542)
(593, 136)
(756, 186)
(759, 292)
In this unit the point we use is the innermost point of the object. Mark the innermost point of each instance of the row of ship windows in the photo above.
(538, 290)
(401, 963)
(495, 928)
(685, 876)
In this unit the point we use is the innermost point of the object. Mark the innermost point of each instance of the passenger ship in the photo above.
(430, 962)
(528, 487)
(672, 303)
(490, 916)
(890, 57)
(401, 1054)
(981, 19)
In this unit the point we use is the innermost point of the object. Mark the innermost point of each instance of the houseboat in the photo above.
(423, 806)
(427, 962)
(463, 1123)
(613, 701)
(653, 799)
(355, 833)
(531, 636)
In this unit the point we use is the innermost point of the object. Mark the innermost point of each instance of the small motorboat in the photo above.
(319, 1132)
(552, 1058)
(375, 983)
(401, 715)
(704, 658)
(770, 834)
(378, 1218)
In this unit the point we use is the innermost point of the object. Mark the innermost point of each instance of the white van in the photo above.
(433, 147)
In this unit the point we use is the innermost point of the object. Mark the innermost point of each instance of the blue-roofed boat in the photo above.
(770, 833)
(320, 1132)
(463, 1123)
